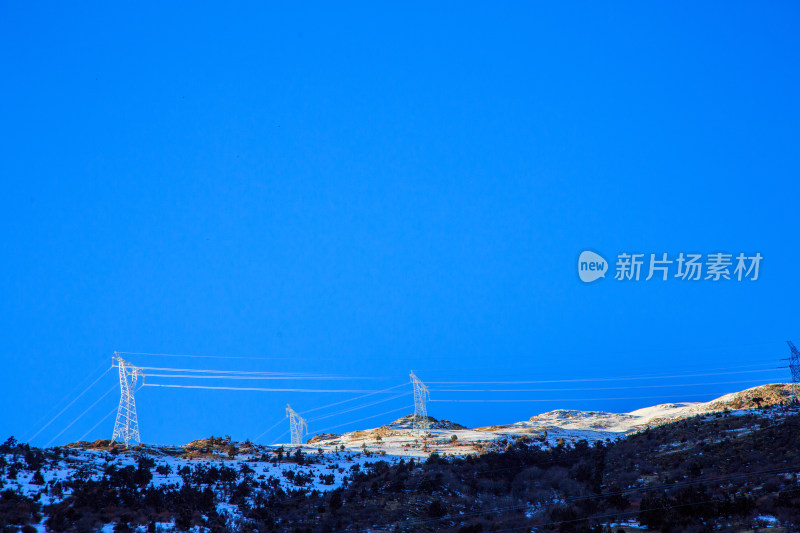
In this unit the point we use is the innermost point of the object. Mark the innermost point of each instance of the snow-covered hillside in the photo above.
(49, 477)
(232, 471)
(326, 461)
(445, 437)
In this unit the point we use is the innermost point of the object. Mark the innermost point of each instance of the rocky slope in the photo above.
(561, 425)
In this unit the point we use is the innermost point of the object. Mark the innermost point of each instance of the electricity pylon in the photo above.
(297, 425)
(794, 366)
(126, 428)
(421, 396)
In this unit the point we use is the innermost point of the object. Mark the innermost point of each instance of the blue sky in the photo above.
(363, 190)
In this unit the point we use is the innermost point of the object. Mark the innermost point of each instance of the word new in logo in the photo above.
(591, 266)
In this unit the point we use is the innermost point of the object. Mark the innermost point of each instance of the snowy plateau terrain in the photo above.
(548, 429)
(326, 462)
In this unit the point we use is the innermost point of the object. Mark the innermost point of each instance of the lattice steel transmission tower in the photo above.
(794, 366)
(421, 396)
(297, 426)
(126, 428)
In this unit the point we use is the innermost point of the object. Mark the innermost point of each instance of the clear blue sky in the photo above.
(362, 190)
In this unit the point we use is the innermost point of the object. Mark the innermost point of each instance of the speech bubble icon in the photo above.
(591, 266)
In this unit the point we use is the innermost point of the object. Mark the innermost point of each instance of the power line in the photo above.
(602, 388)
(571, 399)
(210, 356)
(617, 351)
(238, 374)
(354, 399)
(279, 437)
(359, 407)
(70, 404)
(80, 415)
(276, 424)
(252, 388)
(53, 407)
(298, 377)
(362, 419)
(111, 412)
(233, 372)
(628, 378)
(194, 373)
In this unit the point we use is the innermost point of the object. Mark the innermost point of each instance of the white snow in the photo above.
(390, 443)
